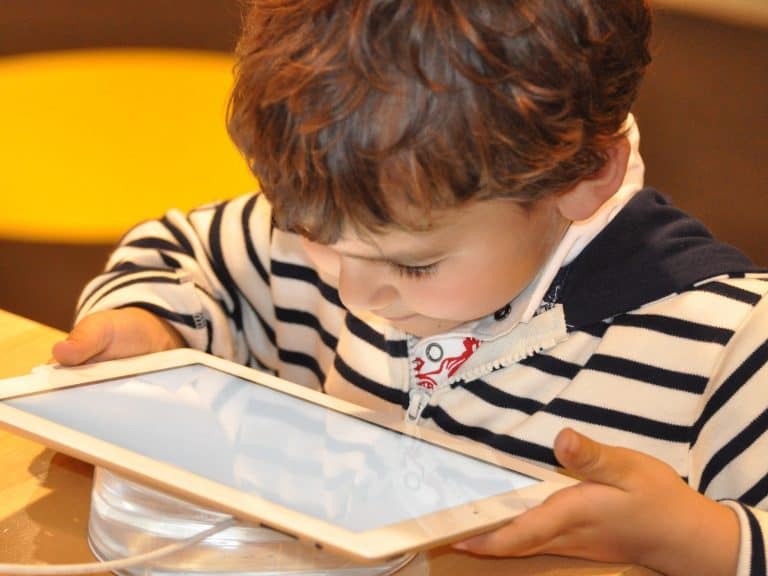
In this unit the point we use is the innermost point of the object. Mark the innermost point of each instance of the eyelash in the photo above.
(415, 272)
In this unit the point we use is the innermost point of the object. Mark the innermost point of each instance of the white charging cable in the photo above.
(112, 565)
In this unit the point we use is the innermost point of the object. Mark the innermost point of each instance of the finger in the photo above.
(70, 353)
(533, 532)
(89, 338)
(591, 460)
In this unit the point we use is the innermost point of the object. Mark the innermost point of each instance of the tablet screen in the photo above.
(298, 454)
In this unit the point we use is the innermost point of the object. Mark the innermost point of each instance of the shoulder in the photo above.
(732, 300)
(748, 288)
(650, 252)
(715, 329)
(721, 303)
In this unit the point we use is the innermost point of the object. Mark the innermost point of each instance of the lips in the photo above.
(397, 318)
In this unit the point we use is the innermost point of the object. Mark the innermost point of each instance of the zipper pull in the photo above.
(418, 400)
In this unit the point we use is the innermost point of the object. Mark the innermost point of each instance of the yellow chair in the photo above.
(94, 141)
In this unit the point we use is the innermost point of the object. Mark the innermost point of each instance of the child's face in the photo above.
(473, 261)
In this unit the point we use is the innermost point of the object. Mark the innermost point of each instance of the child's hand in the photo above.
(116, 334)
(630, 507)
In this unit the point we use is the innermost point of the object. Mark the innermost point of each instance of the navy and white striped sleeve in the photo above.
(730, 440)
(206, 272)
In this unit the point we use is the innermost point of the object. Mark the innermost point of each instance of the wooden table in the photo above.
(44, 495)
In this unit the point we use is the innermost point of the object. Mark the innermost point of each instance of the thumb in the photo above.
(591, 460)
(90, 337)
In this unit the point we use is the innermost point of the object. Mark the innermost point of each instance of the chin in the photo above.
(423, 327)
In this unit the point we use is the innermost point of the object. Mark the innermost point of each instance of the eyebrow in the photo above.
(402, 257)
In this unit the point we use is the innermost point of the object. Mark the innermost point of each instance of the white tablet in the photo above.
(266, 450)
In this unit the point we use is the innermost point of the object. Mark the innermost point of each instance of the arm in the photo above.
(634, 508)
(630, 507)
(729, 445)
(199, 279)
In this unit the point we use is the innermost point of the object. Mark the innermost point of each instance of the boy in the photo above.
(452, 227)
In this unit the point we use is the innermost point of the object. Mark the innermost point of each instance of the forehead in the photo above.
(441, 230)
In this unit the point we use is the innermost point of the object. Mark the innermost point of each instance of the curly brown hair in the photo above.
(346, 109)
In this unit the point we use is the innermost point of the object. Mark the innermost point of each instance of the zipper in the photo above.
(418, 400)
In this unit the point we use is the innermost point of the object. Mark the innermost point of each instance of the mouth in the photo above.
(395, 319)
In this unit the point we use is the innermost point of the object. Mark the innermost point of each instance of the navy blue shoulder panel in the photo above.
(649, 250)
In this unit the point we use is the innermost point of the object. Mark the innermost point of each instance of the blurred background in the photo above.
(112, 111)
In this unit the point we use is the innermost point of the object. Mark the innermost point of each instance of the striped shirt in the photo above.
(654, 338)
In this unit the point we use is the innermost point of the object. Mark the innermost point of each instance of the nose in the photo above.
(361, 285)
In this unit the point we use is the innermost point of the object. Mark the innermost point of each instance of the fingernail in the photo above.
(569, 442)
(460, 546)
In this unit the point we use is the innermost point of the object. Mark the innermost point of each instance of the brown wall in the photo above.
(702, 112)
(38, 25)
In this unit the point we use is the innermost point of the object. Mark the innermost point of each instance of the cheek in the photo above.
(472, 290)
(449, 296)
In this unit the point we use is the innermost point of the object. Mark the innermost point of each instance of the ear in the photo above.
(584, 199)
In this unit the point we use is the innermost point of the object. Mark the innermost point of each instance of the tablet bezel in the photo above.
(380, 543)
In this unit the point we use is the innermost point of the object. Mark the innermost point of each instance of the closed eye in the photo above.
(415, 272)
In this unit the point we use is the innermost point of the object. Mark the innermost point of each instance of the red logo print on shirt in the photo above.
(447, 366)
